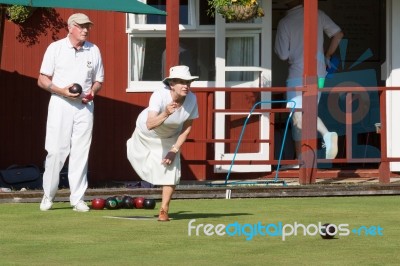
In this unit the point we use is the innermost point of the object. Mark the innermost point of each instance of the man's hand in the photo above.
(65, 92)
(88, 97)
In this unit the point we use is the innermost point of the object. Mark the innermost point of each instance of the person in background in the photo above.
(70, 115)
(161, 130)
(289, 45)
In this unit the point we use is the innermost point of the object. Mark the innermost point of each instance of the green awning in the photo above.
(127, 6)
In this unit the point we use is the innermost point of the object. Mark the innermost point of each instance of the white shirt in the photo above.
(67, 65)
(172, 126)
(289, 42)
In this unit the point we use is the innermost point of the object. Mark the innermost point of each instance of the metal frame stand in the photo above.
(275, 181)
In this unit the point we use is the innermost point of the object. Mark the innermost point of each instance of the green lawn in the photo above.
(63, 237)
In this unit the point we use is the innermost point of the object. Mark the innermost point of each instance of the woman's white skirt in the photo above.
(145, 154)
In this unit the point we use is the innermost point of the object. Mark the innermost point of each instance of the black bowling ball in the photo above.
(76, 88)
(111, 203)
(149, 203)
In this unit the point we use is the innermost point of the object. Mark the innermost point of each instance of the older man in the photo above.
(70, 115)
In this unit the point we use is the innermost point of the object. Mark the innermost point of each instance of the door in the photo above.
(243, 59)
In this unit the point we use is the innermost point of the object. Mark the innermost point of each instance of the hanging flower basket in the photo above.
(236, 10)
(238, 13)
(19, 14)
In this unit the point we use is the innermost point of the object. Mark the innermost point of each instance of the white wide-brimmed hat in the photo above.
(179, 72)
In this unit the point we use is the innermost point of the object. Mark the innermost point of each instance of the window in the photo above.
(148, 58)
(147, 44)
(161, 4)
(197, 46)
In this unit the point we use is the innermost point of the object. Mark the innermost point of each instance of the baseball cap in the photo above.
(79, 18)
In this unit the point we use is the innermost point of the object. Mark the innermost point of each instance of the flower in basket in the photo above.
(235, 10)
(19, 14)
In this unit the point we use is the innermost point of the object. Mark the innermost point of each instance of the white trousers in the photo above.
(296, 98)
(68, 132)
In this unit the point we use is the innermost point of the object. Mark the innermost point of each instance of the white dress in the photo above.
(147, 148)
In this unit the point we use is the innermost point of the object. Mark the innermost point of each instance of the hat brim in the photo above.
(167, 79)
(81, 22)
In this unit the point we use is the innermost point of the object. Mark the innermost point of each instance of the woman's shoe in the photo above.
(163, 216)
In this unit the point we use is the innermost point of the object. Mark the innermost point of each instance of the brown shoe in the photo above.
(163, 216)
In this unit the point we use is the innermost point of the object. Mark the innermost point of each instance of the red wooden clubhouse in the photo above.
(209, 152)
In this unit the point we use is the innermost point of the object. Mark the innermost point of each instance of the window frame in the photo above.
(191, 30)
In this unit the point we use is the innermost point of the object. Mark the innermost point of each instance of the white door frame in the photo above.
(391, 71)
(263, 72)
